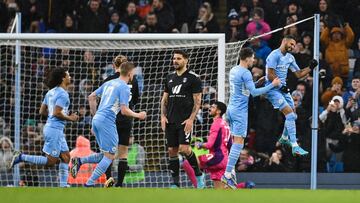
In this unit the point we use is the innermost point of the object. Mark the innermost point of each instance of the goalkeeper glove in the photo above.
(313, 63)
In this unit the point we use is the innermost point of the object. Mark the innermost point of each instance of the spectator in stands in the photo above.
(150, 25)
(306, 92)
(293, 30)
(351, 96)
(337, 41)
(115, 26)
(326, 15)
(351, 147)
(260, 47)
(164, 14)
(94, 19)
(291, 10)
(131, 18)
(32, 15)
(257, 25)
(336, 89)
(274, 9)
(306, 39)
(206, 21)
(275, 163)
(245, 161)
(6, 152)
(333, 121)
(235, 27)
(69, 25)
(184, 19)
(144, 7)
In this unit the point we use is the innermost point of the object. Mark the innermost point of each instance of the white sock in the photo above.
(294, 144)
(227, 174)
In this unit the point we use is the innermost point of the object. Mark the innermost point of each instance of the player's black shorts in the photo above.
(175, 135)
(124, 131)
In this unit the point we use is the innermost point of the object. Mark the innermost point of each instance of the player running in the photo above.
(55, 106)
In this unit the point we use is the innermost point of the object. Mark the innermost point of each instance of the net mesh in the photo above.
(90, 62)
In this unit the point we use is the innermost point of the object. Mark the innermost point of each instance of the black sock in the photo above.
(108, 172)
(174, 168)
(193, 162)
(122, 168)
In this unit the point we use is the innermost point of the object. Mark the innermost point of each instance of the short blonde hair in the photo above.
(120, 59)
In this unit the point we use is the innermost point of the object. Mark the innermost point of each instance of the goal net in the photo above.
(89, 62)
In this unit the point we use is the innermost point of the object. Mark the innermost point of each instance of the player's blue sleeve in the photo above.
(99, 90)
(293, 66)
(251, 86)
(271, 60)
(62, 101)
(46, 100)
(124, 95)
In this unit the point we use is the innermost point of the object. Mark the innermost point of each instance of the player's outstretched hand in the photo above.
(142, 115)
(313, 63)
(276, 82)
(74, 117)
(164, 121)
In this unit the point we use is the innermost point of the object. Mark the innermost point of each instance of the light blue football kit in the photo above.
(241, 86)
(281, 63)
(54, 137)
(113, 93)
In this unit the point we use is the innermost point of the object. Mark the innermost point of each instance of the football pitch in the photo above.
(148, 195)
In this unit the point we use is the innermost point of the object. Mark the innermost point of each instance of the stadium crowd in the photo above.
(339, 110)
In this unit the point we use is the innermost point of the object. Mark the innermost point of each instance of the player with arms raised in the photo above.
(241, 86)
(277, 64)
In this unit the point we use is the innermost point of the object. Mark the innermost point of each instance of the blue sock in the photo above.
(291, 127)
(63, 173)
(285, 134)
(233, 156)
(99, 170)
(93, 158)
(38, 160)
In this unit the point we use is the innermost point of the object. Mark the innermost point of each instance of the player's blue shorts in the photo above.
(55, 142)
(106, 134)
(279, 99)
(238, 122)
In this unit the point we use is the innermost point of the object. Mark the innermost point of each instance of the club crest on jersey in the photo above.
(184, 80)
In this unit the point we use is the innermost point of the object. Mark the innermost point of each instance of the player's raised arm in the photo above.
(304, 72)
(258, 91)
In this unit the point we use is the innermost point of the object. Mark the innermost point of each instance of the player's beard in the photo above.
(178, 67)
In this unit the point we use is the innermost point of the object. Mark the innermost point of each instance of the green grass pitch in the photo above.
(148, 195)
